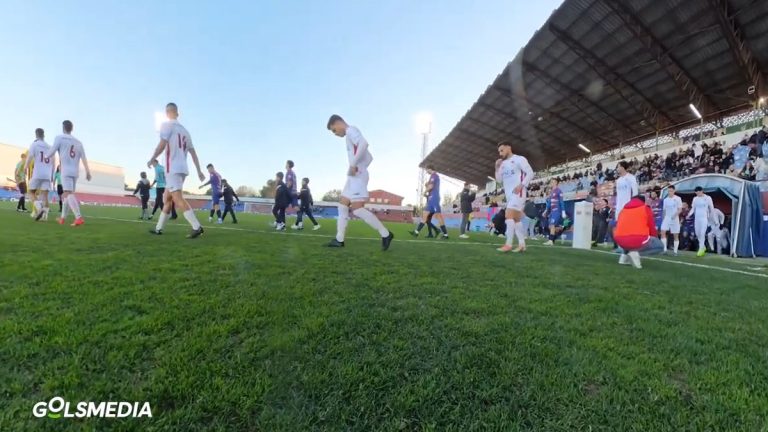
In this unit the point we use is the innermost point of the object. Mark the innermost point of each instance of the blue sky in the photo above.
(256, 81)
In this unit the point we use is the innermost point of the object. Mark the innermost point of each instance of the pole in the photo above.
(422, 171)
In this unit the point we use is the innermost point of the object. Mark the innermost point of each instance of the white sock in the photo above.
(161, 221)
(341, 224)
(520, 231)
(510, 234)
(74, 205)
(189, 215)
(664, 243)
(64, 208)
(38, 206)
(371, 220)
(676, 244)
(702, 246)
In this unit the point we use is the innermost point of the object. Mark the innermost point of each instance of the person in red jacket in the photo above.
(636, 233)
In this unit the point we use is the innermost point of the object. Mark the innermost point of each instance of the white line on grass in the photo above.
(306, 234)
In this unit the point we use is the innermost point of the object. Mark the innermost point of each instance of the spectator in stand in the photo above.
(748, 172)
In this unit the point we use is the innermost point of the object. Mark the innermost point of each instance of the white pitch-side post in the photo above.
(582, 225)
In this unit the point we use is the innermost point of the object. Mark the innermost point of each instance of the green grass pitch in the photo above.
(247, 329)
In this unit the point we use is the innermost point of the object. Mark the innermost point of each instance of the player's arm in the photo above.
(498, 170)
(30, 156)
(85, 165)
(561, 204)
(362, 147)
(235, 195)
(635, 188)
(138, 186)
(690, 213)
(205, 184)
(158, 151)
(525, 167)
(54, 148)
(196, 161)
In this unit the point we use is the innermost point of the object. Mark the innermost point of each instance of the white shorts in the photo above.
(516, 201)
(68, 183)
(39, 184)
(671, 224)
(174, 182)
(356, 188)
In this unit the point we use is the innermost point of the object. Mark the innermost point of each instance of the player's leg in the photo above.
(159, 200)
(189, 214)
(341, 223)
(426, 219)
(701, 235)
(431, 228)
(441, 220)
(232, 212)
(311, 217)
(663, 236)
(463, 227)
(165, 212)
(675, 242)
(218, 207)
(517, 216)
(369, 218)
(509, 233)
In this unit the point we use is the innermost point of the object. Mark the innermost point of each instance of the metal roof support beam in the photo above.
(573, 94)
(646, 107)
(570, 122)
(683, 80)
(739, 48)
(506, 117)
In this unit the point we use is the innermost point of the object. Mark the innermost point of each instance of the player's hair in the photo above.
(289, 163)
(39, 132)
(504, 143)
(431, 167)
(223, 181)
(641, 197)
(210, 165)
(279, 175)
(554, 179)
(305, 180)
(671, 187)
(334, 118)
(172, 105)
(156, 162)
(698, 189)
(624, 164)
(143, 174)
(67, 126)
(606, 201)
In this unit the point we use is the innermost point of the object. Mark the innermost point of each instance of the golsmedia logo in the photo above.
(57, 407)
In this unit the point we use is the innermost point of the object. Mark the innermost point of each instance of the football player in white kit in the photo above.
(515, 173)
(670, 221)
(701, 209)
(176, 142)
(71, 152)
(42, 174)
(626, 188)
(355, 192)
(717, 219)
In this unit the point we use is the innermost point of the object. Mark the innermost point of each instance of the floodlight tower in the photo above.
(424, 128)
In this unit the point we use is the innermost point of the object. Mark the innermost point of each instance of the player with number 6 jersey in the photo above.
(42, 173)
(71, 153)
(176, 143)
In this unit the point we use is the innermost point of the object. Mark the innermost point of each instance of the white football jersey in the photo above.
(179, 144)
(70, 152)
(702, 206)
(354, 141)
(626, 188)
(717, 217)
(514, 171)
(43, 168)
(672, 206)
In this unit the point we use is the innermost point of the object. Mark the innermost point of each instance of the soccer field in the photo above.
(248, 329)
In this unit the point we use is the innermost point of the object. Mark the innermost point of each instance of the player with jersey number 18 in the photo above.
(71, 152)
(176, 143)
(42, 174)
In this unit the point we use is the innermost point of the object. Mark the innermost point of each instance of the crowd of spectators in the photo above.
(743, 160)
